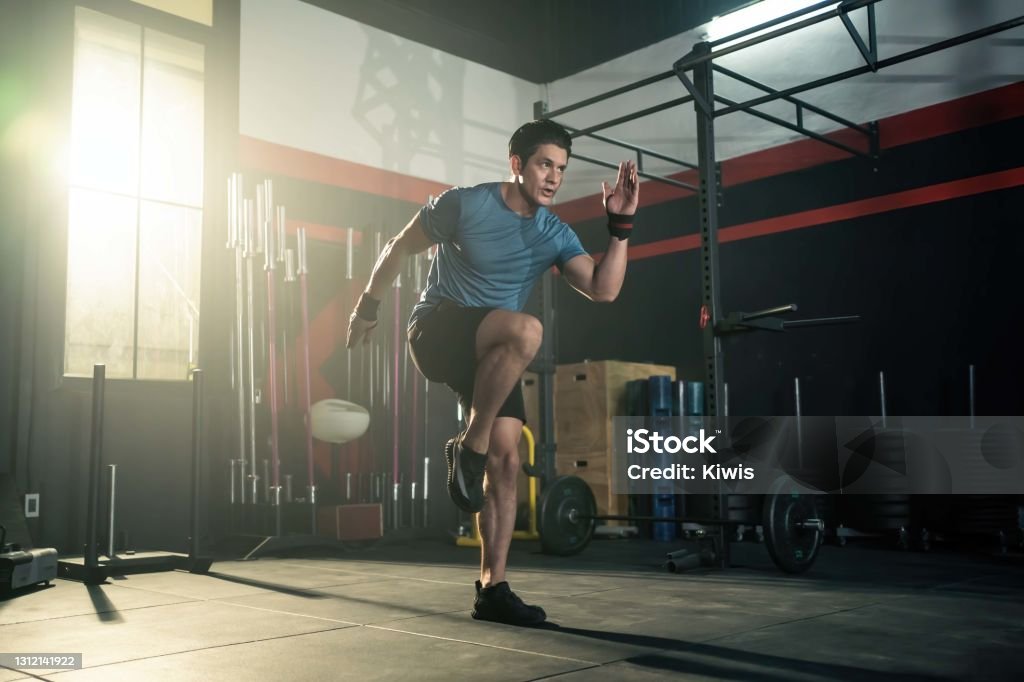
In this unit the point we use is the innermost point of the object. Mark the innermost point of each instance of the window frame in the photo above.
(147, 18)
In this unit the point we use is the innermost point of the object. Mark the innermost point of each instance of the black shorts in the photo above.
(442, 343)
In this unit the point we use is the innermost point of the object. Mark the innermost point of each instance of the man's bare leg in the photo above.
(506, 343)
(495, 600)
(497, 520)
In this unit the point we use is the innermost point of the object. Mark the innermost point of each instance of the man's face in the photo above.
(542, 175)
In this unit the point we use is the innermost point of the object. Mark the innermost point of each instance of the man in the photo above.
(467, 330)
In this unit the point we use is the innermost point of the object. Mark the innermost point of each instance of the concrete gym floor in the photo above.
(401, 611)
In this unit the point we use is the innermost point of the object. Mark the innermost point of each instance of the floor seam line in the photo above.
(394, 577)
(95, 613)
(347, 623)
(483, 644)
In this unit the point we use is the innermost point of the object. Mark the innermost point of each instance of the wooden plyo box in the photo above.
(587, 396)
(351, 521)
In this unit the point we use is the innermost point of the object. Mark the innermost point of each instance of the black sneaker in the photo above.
(500, 604)
(465, 475)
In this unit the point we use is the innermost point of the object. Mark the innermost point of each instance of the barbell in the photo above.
(792, 530)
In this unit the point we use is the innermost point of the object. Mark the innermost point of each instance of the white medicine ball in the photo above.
(338, 421)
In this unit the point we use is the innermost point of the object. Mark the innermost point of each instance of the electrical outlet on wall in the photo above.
(31, 505)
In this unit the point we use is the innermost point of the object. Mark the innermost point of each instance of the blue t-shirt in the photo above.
(488, 255)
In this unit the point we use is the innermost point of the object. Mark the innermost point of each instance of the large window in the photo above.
(136, 196)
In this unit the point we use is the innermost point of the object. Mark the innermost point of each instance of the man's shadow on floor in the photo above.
(731, 663)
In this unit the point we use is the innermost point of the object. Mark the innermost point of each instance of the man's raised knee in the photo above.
(518, 332)
(527, 335)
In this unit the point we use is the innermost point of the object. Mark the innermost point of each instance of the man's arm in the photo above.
(410, 241)
(602, 282)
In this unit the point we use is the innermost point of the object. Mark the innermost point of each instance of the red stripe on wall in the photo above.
(297, 163)
(967, 112)
(991, 106)
(945, 191)
(984, 108)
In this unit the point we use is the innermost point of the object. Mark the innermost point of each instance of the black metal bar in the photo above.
(95, 462)
(782, 123)
(669, 519)
(688, 62)
(707, 197)
(714, 374)
(872, 34)
(705, 106)
(819, 321)
(197, 429)
(734, 324)
(548, 355)
(768, 312)
(632, 117)
(970, 392)
(881, 64)
(773, 22)
(111, 510)
(953, 42)
(649, 176)
(608, 95)
(798, 102)
(634, 147)
(865, 52)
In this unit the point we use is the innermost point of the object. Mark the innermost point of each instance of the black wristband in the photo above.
(620, 226)
(367, 307)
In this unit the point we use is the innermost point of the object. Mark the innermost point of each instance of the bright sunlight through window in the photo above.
(136, 195)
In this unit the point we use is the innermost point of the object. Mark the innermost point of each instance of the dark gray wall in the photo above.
(937, 286)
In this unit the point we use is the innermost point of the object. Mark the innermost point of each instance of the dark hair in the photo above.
(531, 135)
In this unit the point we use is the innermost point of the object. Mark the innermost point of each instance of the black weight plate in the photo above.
(791, 547)
(561, 531)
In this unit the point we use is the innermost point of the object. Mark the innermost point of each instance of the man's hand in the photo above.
(624, 197)
(362, 321)
(358, 330)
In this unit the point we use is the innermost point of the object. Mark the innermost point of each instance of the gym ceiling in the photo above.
(536, 40)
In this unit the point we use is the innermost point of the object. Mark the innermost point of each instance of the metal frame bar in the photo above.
(800, 104)
(611, 93)
(701, 91)
(691, 60)
(772, 22)
(641, 151)
(649, 176)
(881, 64)
(870, 51)
(630, 117)
(798, 128)
(546, 374)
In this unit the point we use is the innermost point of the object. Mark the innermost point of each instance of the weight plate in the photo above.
(792, 546)
(566, 521)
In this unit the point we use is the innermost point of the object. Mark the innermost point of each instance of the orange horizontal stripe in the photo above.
(945, 191)
(297, 163)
